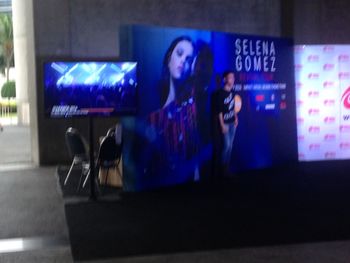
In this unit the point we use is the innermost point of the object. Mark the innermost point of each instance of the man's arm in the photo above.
(223, 126)
(236, 119)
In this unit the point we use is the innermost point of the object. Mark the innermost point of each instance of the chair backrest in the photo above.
(108, 150)
(75, 143)
(111, 132)
(116, 132)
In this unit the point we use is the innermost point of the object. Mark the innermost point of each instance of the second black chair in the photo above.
(109, 155)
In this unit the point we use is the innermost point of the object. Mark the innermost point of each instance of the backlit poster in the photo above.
(322, 76)
(172, 139)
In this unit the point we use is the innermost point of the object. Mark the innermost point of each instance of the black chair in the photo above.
(78, 150)
(109, 155)
(116, 132)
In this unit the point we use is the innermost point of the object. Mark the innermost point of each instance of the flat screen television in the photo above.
(89, 88)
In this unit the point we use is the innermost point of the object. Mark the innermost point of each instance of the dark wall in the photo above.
(322, 22)
(90, 29)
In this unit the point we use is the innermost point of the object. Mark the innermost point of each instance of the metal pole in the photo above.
(92, 160)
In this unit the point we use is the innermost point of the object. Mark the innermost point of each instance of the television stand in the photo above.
(92, 159)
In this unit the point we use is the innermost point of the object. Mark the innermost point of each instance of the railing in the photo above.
(8, 114)
(5, 110)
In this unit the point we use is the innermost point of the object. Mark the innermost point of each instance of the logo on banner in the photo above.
(344, 146)
(283, 105)
(300, 120)
(313, 76)
(314, 112)
(346, 117)
(329, 137)
(300, 103)
(345, 98)
(328, 67)
(270, 106)
(328, 49)
(344, 128)
(314, 147)
(313, 94)
(301, 156)
(314, 129)
(298, 85)
(344, 75)
(313, 58)
(328, 84)
(343, 58)
(330, 155)
(329, 120)
(259, 97)
(329, 103)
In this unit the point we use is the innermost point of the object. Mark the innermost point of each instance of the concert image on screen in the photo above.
(89, 88)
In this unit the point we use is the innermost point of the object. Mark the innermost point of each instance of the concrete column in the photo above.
(24, 52)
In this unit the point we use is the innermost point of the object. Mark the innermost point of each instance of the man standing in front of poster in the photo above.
(227, 120)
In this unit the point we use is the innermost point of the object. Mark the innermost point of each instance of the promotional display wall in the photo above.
(172, 139)
(322, 76)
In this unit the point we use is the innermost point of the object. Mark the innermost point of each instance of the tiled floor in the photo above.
(15, 145)
(32, 221)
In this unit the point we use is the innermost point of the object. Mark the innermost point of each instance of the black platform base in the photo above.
(304, 203)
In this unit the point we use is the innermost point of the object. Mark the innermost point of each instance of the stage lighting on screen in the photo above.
(89, 88)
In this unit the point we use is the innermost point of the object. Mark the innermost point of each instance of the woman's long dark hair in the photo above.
(165, 75)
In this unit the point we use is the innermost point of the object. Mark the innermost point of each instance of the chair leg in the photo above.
(97, 185)
(81, 176)
(70, 170)
(86, 178)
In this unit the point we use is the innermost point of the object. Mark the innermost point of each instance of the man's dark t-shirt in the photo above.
(226, 104)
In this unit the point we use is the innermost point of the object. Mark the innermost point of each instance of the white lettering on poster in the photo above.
(255, 55)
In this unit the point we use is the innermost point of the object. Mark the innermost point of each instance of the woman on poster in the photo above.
(175, 126)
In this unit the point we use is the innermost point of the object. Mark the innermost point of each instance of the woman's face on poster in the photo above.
(181, 59)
